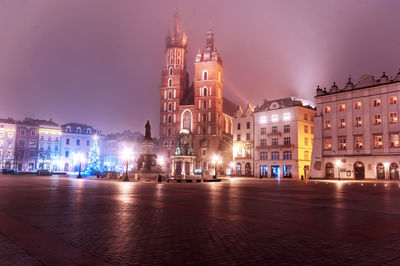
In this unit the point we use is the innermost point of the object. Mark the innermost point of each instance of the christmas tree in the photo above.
(94, 156)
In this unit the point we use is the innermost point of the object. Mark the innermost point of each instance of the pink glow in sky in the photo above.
(99, 61)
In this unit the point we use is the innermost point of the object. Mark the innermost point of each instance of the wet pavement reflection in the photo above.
(237, 221)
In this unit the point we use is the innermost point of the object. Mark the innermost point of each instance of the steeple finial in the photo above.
(177, 26)
(210, 39)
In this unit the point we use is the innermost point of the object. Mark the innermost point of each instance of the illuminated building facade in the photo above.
(243, 142)
(76, 138)
(49, 145)
(7, 143)
(357, 130)
(283, 138)
(198, 113)
(26, 144)
(113, 145)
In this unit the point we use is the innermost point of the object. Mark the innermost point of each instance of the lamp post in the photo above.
(216, 160)
(79, 158)
(126, 155)
(338, 163)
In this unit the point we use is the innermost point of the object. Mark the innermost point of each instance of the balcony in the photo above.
(274, 134)
(275, 146)
(242, 157)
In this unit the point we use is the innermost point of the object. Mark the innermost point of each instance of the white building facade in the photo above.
(243, 142)
(7, 143)
(357, 130)
(283, 137)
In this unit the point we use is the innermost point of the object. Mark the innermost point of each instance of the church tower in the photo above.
(174, 82)
(208, 100)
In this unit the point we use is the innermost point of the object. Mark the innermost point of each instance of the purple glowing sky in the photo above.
(99, 61)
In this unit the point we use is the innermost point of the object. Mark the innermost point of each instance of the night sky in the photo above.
(98, 61)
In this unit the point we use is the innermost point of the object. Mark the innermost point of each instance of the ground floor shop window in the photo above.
(263, 171)
(275, 172)
(287, 171)
(394, 171)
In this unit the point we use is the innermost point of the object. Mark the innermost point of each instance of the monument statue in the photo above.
(148, 131)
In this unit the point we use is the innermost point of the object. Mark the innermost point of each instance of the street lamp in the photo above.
(126, 154)
(80, 158)
(338, 163)
(216, 160)
(161, 161)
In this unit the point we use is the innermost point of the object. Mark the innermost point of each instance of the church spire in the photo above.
(177, 26)
(176, 38)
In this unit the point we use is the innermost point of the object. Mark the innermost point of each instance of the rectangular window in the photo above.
(306, 155)
(342, 107)
(286, 116)
(357, 105)
(32, 144)
(306, 141)
(327, 124)
(287, 171)
(274, 142)
(327, 109)
(342, 122)
(67, 142)
(378, 141)
(248, 125)
(263, 131)
(274, 118)
(358, 142)
(78, 142)
(393, 117)
(263, 142)
(287, 155)
(327, 144)
(247, 136)
(263, 155)
(286, 141)
(305, 129)
(377, 102)
(66, 154)
(394, 140)
(305, 116)
(87, 142)
(358, 122)
(342, 143)
(274, 129)
(393, 100)
(238, 126)
(377, 119)
(238, 138)
(286, 128)
(22, 132)
(21, 143)
(275, 155)
(33, 133)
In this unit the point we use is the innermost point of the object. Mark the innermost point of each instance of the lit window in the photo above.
(342, 123)
(394, 140)
(286, 116)
(342, 143)
(274, 118)
(358, 142)
(10, 135)
(306, 141)
(327, 124)
(342, 107)
(377, 102)
(306, 155)
(377, 119)
(358, 121)
(357, 105)
(327, 144)
(393, 100)
(327, 109)
(263, 120)
(378, 141)
(393, 117)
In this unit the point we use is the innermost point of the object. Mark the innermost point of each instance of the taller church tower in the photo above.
(174, 82)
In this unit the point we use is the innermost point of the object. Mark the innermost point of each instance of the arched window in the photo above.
(169, 119)
(205, 75)
(170, 94)
(179, 53)
(170, 107)
(329, 170)
(186, 120)
(88, 131)
(169, 82)
(394, 171)
(380, 171)
(172, 143)
(68, 128)
(78, 130)
(178, 61)
(170, 71)
(204, 104)
(205, 91)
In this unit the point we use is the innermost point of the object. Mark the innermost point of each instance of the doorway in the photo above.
(359, 171)
(380, 171)
(329, 171)
(394, 171)
(275, 171)
(247, 169)
(263, 171)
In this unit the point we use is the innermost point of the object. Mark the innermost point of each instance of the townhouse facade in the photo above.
(27, 142)
(7, 143)
(357, 130)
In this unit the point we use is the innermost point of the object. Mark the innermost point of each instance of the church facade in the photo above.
(196, 122)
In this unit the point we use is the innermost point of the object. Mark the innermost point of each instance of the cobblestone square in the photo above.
(68, 221)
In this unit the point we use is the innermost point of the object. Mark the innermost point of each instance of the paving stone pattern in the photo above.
(243, 222)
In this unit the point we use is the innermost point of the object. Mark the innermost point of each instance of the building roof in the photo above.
(37, 122)
(284, 103)
(83, 127)
(8, 120)
(365, 81)
(229, 107)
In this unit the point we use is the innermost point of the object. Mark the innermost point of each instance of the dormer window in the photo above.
(88, 131)
(68, 129)
(78, 130)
